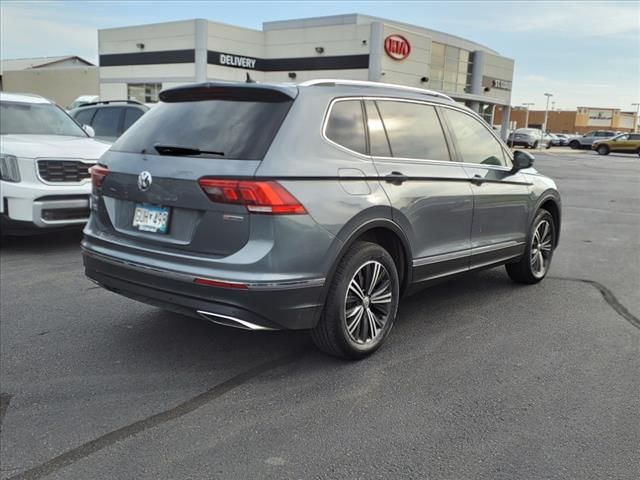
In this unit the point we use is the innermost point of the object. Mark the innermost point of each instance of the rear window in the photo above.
(238, 129)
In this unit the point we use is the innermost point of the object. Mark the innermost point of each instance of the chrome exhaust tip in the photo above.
(228, 321)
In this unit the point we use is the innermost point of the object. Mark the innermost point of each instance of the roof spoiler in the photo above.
(239, 92)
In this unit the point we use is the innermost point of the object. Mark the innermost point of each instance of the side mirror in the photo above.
(522, 160)
(89, 130)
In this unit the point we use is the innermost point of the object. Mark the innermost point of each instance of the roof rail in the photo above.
(364, 83)
(107, 102)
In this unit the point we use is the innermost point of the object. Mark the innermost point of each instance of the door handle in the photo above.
(477, 179)
(396, 178)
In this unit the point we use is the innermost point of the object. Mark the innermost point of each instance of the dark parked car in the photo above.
(109, 119)
(317, 206)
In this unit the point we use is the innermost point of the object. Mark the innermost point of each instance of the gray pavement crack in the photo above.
(609, 297)
(72, 456)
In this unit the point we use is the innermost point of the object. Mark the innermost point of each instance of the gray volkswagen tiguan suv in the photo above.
(312, 206)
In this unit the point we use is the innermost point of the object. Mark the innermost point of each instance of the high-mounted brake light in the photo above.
(265, 197)
(98, 174)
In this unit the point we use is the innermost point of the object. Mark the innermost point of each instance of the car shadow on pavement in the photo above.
(159, 337)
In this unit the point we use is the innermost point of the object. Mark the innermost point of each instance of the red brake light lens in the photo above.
(98, 174)
(265, 197)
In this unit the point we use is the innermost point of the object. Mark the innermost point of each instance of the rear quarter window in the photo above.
(241, 130)
(345, 125)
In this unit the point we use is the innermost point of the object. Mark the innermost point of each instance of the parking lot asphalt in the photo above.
(480, 378)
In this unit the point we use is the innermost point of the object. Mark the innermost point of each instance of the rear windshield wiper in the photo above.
(181, 150)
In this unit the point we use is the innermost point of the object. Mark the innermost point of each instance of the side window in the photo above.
(346, 125)
(634, 136)
(131, 115)
(378, 142)
(106, 122)
(414, 130)
(475, 143)
(84, 117)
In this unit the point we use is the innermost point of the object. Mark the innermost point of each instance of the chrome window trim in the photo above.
(71, 184)
(452, 161)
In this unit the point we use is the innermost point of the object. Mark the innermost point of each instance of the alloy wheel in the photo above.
(541, 249)
(368, 302)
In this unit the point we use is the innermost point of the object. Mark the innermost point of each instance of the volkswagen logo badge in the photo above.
(144, 181)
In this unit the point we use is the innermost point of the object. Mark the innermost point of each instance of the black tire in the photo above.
(535, 145)
(603, 150)
(548, 146)
(331, 334)
(574, 144)
(523, 271)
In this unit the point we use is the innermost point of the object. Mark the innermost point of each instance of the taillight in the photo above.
(98, 174)
(266, 197)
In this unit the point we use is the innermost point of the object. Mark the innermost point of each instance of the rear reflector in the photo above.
(98, 174)
(219, 283)
(265, 197)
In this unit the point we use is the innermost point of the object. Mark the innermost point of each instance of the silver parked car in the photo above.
(529, 138)
(586, 140)
(316, 206)
(562, 139)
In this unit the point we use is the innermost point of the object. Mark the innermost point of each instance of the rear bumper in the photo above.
(294, 304)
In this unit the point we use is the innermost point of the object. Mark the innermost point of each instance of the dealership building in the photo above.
(136, 62)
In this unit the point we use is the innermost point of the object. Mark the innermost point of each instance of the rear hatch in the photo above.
(151, 191)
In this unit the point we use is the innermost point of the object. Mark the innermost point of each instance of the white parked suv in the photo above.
(45, 158)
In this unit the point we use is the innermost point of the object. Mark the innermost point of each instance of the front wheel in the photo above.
(361, 304)
(535, 263)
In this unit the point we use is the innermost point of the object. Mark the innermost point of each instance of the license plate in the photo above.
(151, 218)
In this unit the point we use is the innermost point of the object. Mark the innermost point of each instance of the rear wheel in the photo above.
(574, 144)
(535, 263)
(603, 150)
(535, 145)
(361, 304)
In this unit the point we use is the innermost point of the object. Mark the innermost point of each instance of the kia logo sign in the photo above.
(397, 47)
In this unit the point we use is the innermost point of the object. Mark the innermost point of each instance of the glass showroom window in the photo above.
(144, 92)
(450, 68)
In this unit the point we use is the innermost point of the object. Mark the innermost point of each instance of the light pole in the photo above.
(635, 120)
(526, 117)
(546, 116)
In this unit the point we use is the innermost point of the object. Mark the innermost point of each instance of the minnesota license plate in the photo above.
(151, 218)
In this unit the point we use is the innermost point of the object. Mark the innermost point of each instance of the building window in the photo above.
(450, 68)
(143, 92)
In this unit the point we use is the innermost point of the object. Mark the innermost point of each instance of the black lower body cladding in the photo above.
(270, 308)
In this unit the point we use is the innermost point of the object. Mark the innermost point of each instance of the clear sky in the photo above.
(585, 53)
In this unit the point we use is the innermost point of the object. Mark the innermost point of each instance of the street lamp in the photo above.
(546, 116)
(526, 117)
(635, 120)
